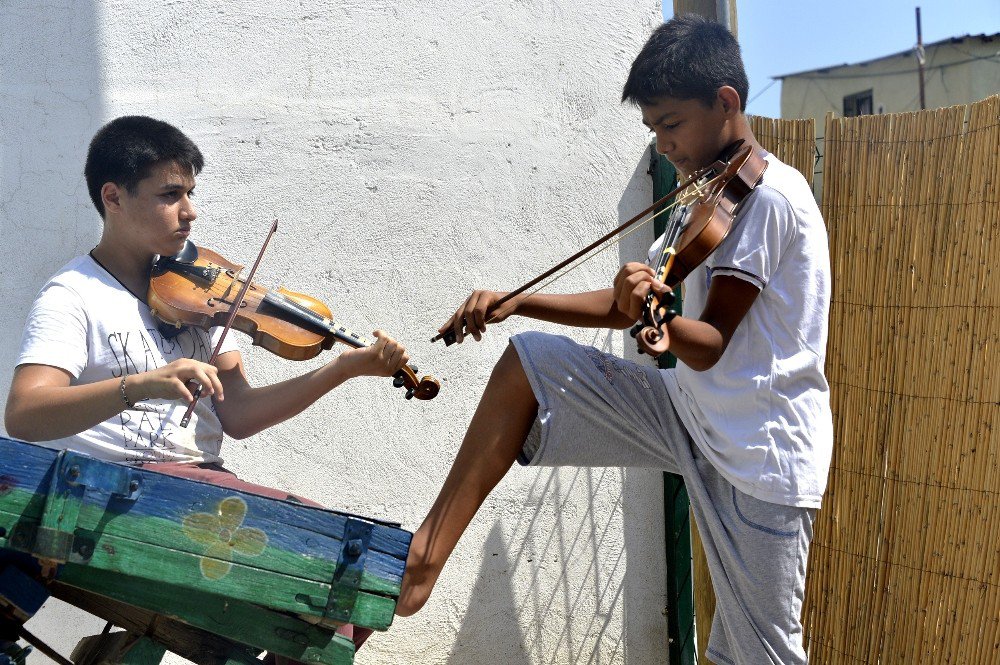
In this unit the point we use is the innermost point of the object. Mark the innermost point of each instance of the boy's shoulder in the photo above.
(782, 181)
(80, 281)
(76, 272)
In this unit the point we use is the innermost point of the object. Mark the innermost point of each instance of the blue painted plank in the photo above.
(290, 526)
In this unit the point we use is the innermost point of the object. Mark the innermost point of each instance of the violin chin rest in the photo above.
(188, 253)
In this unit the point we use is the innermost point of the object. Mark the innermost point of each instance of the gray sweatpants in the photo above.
(595, 409)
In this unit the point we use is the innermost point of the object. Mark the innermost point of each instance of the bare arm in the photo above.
(698, 343)
(592, 309)
(43, 405)
(248, 410)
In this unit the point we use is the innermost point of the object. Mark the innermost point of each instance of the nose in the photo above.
(663, 146)
(188, 210)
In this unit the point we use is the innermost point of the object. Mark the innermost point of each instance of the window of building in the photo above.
(860, 103)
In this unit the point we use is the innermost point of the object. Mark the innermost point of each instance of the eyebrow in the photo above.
(658, 120)
(171, 186)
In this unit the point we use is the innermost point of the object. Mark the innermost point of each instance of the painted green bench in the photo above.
(212, 574)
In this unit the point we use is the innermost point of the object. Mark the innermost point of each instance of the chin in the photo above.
(175, 247)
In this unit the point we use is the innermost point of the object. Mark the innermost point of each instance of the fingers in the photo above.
(659, 288)
(200, 375)
(632, 285)
(471, 317)
(455, 323)
(180, 380)
(628, 270)
(216, 384)
(391, 355)
(475, 314)
(630, 291)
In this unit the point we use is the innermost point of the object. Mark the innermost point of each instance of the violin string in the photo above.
(676, 227)
(229, 287)
(684, 198)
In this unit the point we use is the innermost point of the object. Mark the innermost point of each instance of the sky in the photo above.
(787, 36)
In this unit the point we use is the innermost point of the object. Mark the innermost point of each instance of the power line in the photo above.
(773, 81)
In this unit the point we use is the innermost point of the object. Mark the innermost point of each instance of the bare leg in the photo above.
(492, 443)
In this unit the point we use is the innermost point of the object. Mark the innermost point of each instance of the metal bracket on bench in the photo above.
(73, 476)
(347, 576)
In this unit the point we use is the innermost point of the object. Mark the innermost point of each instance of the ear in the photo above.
(729, 100)
(111, 195)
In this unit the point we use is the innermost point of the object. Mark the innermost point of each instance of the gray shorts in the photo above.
(595, 409)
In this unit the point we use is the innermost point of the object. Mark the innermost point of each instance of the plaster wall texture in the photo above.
(411, 152)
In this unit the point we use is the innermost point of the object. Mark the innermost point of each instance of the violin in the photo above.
(198, 287)
(694, 233)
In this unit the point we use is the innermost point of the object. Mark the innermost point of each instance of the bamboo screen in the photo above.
(905, 563)
(793, 142)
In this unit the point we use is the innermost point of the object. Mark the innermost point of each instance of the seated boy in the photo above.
(98, 374)
(745, 417)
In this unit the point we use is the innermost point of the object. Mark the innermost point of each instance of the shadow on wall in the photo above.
(493, 611)
(531, 615)
(53, 102)
(533, 618)
(642, 504)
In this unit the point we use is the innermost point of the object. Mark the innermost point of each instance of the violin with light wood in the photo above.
(198, 287)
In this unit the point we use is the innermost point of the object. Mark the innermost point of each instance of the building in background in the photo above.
(958, 70)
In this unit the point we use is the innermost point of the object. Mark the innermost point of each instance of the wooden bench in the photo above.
(213, 574)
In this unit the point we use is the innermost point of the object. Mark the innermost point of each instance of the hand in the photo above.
(471, 317)
(172, 382)
(383, 358)
(631, 286)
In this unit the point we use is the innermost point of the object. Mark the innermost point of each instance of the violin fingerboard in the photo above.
(340, 333)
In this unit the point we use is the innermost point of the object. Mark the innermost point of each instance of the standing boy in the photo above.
(745, 417)
(97, 373)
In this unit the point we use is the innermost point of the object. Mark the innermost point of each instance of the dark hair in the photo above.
(688, 57)
(126, 149)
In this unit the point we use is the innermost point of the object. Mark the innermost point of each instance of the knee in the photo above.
(408, 605)
(509, 369)
(415, 588)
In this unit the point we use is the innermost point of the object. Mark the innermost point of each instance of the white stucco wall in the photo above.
(411, 151)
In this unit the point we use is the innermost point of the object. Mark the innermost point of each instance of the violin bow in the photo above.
(449, 336)
(233, 309)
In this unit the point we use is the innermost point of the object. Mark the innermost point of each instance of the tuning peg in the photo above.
(409, 393)
(398, 382)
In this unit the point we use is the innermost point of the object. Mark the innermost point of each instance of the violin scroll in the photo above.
(650, 331)
(426, 387)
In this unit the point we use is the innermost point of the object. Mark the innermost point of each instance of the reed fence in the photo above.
(905, 562)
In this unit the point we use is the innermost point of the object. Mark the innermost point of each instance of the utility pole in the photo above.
(720, 11)
(920, 60)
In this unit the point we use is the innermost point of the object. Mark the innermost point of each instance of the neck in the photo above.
(129, 268)
(741, 130)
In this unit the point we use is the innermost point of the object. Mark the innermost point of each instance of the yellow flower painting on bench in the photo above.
(223, 533)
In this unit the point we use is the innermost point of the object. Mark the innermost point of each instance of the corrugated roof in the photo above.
(907, 52)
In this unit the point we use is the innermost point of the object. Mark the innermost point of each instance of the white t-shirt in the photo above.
(762, 415)
(85, 322)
